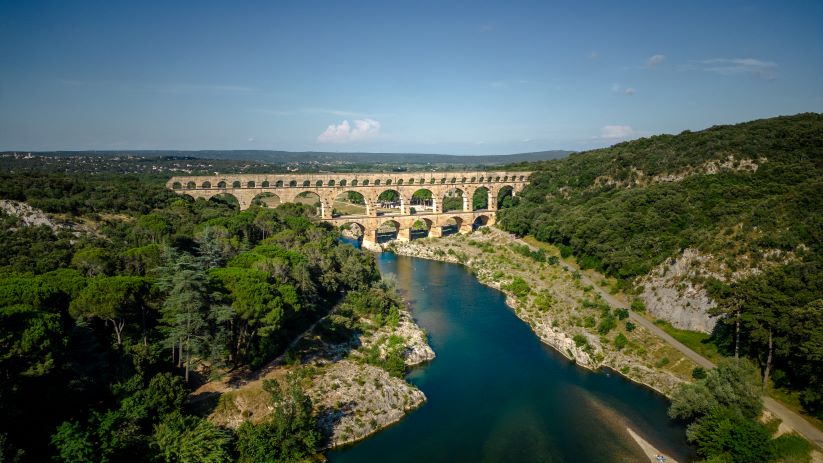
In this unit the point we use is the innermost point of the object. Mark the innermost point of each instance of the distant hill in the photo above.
(754, 182)
(331, 157)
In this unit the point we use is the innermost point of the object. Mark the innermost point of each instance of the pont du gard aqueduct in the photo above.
(376, 206)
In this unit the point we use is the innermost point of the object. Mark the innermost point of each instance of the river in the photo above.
(496, 393)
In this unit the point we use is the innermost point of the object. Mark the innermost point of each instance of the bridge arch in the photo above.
(206, 184)
(176, 186)
(348, 203)
(504, 196)
(480, 199)
(387, 231)
(451, 226)
(390, 201)
(420, 228)
(454, 199)
(221, 184)
(225, 198)
(266, 199)
(480, 221)
(353, 230)
(190, 185)
(423, 200)
(235, 184)
(310, 198)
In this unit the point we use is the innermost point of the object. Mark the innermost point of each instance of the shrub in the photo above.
(518, 287)
(606, 324)
(630, 326)
(622, 314)
(580, 340)
(638, 305)
(620, 341)
(698, 373)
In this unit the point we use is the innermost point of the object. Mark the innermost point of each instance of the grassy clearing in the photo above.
(694, 340)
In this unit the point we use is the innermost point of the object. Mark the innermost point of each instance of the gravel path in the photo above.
(789, 417)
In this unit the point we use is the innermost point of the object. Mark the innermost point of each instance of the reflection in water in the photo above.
(495, 393)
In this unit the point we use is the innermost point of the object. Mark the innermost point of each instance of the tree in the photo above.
(114, 300)
(290, 435)
(184, 281)
(189, 439)
(723, 435)
(93, 261)
(732, 384)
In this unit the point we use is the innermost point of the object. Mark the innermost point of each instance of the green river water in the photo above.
(497, 394)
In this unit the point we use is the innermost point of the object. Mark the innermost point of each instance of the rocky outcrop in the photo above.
(356, 400)
(30, 216)
(351, 398)
(670, 294)
(33, 217)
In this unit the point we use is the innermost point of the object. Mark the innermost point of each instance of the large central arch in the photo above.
(349, 203)
(390, 201)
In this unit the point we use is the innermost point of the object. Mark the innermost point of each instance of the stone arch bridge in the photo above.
(406, 212)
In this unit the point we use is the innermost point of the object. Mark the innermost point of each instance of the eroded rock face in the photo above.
(30, 216)
(355, 400)
(670, 295)
(33, 217)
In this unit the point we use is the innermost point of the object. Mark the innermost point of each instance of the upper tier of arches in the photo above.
(354, 180)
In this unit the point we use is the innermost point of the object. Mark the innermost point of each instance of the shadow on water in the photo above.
(496, 393)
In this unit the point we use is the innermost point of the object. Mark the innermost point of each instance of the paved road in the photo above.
(789, 417)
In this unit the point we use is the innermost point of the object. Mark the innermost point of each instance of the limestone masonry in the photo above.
(402, 215)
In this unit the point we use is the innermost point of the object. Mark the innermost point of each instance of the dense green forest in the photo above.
(625, 209)
(104, 333)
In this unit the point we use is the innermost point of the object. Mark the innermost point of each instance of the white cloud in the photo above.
(594, 55)
(344, 133)
(733, 66)
(616, 132)
(617, 88)
(487, 28)
(655, 60)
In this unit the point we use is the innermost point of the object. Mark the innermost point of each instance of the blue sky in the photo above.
(412, 76)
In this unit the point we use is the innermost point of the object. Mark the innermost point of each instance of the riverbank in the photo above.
(352, 395)
(563, 310)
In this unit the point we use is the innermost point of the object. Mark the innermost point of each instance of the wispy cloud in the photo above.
(507, 83)
(485, 28)
(655, 60)
(203, 88)
(167, 87)
(617, 88)
(734, 66)
(594, 55)
(333, 112)
(344, 133)
(616, 132)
